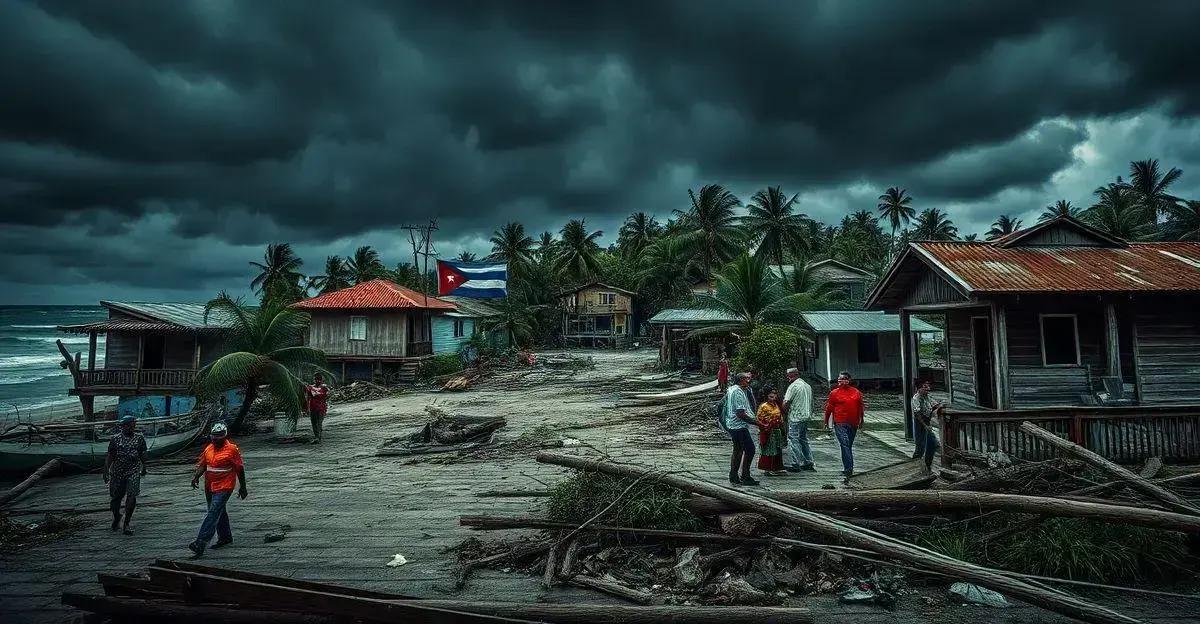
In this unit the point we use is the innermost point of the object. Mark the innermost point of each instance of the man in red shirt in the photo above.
(845, 407)
(317, 395)
(221, 465)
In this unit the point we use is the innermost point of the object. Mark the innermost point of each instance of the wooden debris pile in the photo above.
(445, 433)
(362, 391)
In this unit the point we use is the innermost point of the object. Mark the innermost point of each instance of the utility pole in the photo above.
(421, 239)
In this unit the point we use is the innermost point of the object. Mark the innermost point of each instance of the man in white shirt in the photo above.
(739, 415)
(797, 409)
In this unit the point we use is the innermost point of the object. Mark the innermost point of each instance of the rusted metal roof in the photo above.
(136, 326)
(986, 267)
(376, 294)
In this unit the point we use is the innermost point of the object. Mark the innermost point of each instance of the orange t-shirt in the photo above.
(220, 466)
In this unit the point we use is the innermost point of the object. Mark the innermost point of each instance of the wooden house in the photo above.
(1093, 337)
(597, 314)
(676, 350)
(375, 328)
(865, 344)
(151, 354)
(452, 330)
(851, 281)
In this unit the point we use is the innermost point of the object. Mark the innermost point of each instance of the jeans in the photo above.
(799, 453)
(217, 519)
(845, 437)
(926, 442)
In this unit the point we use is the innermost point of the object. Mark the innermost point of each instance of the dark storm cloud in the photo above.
(212, 128)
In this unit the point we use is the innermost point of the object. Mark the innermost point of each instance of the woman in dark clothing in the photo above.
(124, 467)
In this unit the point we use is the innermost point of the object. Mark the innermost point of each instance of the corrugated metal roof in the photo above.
(136, 326)
(686, 316)
(835, 321)
(469, 307)
(985, 267)
(180, 314)
(375, 294)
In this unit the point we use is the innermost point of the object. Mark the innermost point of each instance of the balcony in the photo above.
(598, 308)
(105, 380)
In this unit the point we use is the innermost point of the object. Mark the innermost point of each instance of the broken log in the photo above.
(47, 469)
(950, 500)
(497, 523)
(551, 572)
(1151, 468)
(519, 552)
(140, 609)
(1168, 498)
(513, 493)
(1002, 478)
(742, 524)
(570, 560)
(851, 535)
(613, 588)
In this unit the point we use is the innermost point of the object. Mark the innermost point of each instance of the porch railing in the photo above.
(1122, 434)
(598, 308)
(132, 378)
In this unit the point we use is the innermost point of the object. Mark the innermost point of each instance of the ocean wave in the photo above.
(52, 339)
(33, 326)
(12, 380)
(28, 361)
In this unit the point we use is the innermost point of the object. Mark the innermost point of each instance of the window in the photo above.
(608, 298)
(1060, 340)
(459, 328)
(868, 348)
(358, 328)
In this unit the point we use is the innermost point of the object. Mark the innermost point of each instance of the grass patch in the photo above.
(647, 505)
(438, 365)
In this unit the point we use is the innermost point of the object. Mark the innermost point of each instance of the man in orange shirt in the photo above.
(221, 465)
(845, 407)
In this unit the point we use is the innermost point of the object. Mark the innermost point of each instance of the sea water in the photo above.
(32, 381)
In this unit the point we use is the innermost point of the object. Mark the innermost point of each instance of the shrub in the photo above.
(768, 351)
(647, 505)
(444, 364)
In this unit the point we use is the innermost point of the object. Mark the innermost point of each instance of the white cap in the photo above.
(219, 430)
(793, 371)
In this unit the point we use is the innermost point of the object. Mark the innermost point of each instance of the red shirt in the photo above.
(846, 406)
(220, 466)
(318, 398)
(723, 372)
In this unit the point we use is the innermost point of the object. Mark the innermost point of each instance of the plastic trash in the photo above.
(974, 594)
(397, 561)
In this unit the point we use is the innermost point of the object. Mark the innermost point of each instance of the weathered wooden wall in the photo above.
(590, 297)
(843, 353)
(961, 357)
(1168, 351)
(387, 333)
(931, 288)
(1061, 236)
(1035, 385)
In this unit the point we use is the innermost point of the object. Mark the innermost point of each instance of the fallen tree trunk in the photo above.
(499, 523)
(513, 493)
(848, 534)
(949, 500)
(47, 469)
(130, 609)
(1169, 499)
(612, 588)
(998, 478)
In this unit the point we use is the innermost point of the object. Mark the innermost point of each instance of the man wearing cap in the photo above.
(124, 467)
(221, 465)
(739, 415)
(797, 409)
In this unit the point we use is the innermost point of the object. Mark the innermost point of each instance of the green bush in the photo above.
(444, 364)
(768, 351)
(647, 505)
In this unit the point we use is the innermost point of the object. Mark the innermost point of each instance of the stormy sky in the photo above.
(149, 150)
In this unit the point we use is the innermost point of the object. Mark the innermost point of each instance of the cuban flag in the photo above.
(482, 280)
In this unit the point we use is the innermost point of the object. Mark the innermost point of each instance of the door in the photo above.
(981, 343)
(604, 324)
(153, 349)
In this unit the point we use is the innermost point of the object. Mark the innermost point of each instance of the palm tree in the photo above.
(934, 225)
(780, 232)
(266, 349)
(1120, 212)
(514, 247)
(666, 269)
(637, 233)
(750, 293)
(365, 265)
(279, 272)
(1150, 186)
(972, 237)
(1183, 221)
(1003, 226)
(465, 256)
(336, 277)
(1060, 208)
(710, 227)
(545, 247)
(578, 253)
(895, 205)
(515, 319)
(814, 293)
(407, 275)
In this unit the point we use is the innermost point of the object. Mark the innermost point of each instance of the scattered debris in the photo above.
(362, 391)
(16, 536)
(444, 433)
(974, 594)
(881, 589)
(397, 561)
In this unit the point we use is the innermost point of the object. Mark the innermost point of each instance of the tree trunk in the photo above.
(46, 469)
(851, 535)
(251, 394)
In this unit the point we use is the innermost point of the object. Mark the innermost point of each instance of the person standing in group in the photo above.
(723, 373)
(797, 409)
(738, 418)
(771, 437)
(124, 467)
(316, 395)
(924, 410)
(844, 408)
(222, 467)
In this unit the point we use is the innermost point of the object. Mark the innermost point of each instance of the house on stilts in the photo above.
(1092, 337)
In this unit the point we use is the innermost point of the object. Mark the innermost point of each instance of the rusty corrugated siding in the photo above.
(1166, 266)
(375, 294)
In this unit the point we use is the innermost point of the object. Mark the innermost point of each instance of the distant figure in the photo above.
(771, 436)
(222, 467)
(845, 408)
(738, 419)
(124, 467)
(924, 410)
(797, 409)
(317, 396)
(723, 373)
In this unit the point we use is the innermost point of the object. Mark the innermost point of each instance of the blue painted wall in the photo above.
(443, 334)
(156, 406)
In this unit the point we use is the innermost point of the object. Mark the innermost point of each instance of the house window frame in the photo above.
(353, 319)
(460, 328)
(858, 348)
(1042, 339)
(608, 298)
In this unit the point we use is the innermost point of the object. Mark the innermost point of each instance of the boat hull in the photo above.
(22, 454)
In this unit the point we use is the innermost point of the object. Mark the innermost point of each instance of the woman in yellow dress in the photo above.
(771, 435)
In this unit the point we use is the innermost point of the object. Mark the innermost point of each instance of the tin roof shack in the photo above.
(452, 330)
(865, 344)
(676, 350)
(851, 281)
(151, 355)
(597, 314)
(1055, 317)
(373, 328)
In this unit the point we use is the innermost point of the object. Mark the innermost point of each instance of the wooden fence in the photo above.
(134, 378)
(1123, 434)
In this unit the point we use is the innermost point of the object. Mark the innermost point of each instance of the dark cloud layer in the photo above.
(198, 131)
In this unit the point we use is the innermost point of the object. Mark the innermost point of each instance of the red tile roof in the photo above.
(987, 267)
(375, 294)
